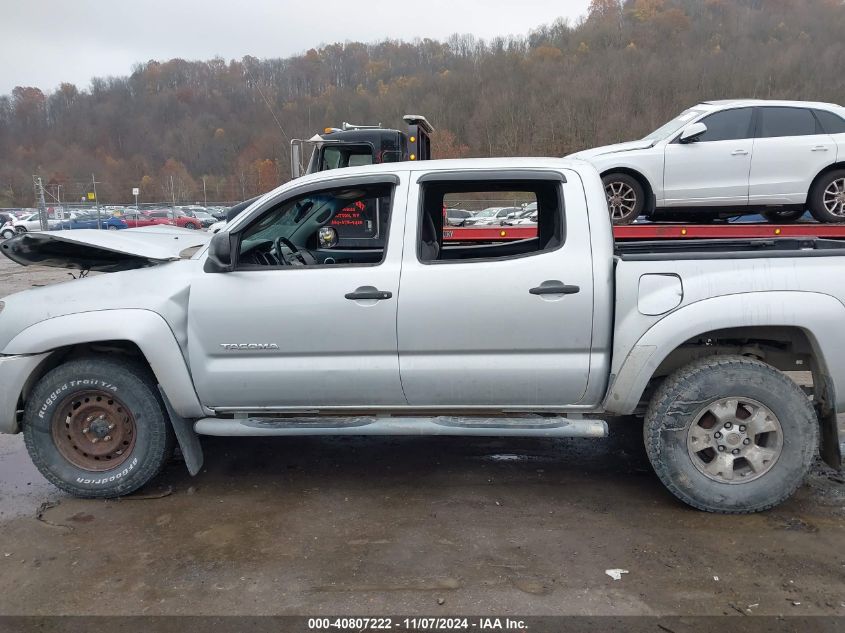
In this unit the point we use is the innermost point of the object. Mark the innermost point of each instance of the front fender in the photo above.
(147, 329)
(820, 316)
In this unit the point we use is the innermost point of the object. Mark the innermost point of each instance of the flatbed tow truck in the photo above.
(352, 145)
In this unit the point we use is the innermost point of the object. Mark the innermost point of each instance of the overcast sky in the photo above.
(44, 43)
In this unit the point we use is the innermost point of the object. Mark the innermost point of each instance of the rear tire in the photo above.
(763, 421)
(96, 427)
(827, 197)
(9, 234)
(625, 197)
(782, 216)
(190, 225)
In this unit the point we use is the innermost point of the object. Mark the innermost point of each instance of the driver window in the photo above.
(334, 227)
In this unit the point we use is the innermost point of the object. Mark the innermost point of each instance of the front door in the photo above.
(712, 171)
(285, 330)
(496, 323)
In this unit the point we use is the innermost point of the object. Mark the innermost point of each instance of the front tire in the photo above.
(112, 227)
(730, 434)
(190, 225)
(827, 197)
(625, 197)
(96, 427)
(9, 234)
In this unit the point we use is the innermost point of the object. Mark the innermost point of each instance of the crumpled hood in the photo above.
(105, 251)
(587, 154)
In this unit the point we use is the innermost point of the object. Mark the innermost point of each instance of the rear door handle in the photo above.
(819, 148)
(554, 287)
(739, 152)
(368, 293)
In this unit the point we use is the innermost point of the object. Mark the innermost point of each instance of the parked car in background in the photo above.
(528, 215)
(457, 217)
(90, 221)
(491, 215)
(206, 218)
(29, 222)
(177, 217)
(135, 219)
(728, 158)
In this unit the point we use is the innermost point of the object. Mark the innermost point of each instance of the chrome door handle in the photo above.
(739, 152)
(819, 148)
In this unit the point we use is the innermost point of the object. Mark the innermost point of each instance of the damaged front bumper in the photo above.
(15, 374)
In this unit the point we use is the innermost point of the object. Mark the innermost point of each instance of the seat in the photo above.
(429, 240)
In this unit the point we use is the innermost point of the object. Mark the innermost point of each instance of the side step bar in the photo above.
(442, 425)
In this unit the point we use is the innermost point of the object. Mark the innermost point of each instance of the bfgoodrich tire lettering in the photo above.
(679, 402)
(69, 387)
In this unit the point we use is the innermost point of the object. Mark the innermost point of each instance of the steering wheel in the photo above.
(296, 257)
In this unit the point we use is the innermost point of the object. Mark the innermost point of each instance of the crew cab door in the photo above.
(496, 323)
(309, 334)
(713, 170)
(791, 148)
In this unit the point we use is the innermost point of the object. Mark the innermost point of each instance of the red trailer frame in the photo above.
(656, 231)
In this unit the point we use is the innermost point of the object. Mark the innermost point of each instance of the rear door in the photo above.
(791, 148)
(491, 323)
(712, 171)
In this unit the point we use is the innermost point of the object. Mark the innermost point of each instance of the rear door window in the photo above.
(777, 122)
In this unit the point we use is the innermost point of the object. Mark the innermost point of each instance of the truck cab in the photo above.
(356, 145)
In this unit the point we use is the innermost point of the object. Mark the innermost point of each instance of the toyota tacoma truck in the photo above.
(279, 325)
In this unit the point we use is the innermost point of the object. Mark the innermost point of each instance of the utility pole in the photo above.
(172, 199)
(204, 197)
(96, 201)
(42, 204)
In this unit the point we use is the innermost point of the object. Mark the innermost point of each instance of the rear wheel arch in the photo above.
(688, 334)
(832, 167)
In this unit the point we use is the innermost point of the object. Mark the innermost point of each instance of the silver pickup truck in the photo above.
(333, 305)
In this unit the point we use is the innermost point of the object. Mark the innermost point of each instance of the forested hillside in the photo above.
(615, 75)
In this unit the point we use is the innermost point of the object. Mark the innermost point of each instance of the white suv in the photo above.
(724, 158)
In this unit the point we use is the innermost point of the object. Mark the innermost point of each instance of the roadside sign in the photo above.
(91, 195)
(136, 191)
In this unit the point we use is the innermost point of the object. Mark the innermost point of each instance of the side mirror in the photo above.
(692, 132)
(219, 258)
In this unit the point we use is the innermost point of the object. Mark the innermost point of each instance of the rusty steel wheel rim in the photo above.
(735, 440)
(94, 431)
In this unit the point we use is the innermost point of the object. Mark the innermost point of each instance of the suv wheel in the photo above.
(827, 197)
(96, 427)
(730, 434)
(625, 197)
(8, 233)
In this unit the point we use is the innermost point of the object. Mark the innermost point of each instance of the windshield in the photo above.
(668, 129)
(335, 157)
(488, 213)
